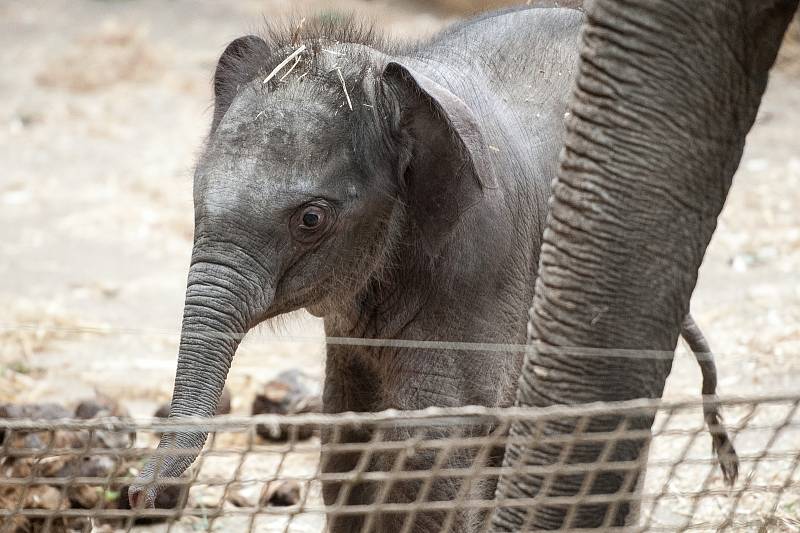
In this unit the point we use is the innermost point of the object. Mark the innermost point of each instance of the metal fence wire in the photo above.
(73, 474)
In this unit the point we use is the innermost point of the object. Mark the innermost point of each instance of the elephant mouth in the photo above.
(318, 310)
(312, 298)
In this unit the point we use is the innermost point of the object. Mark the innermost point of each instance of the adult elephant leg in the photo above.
(666, 93)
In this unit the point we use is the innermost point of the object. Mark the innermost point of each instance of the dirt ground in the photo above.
(103, 107)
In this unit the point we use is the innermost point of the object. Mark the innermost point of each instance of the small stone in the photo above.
(169, 497)
(101, 467)
(44, 463)
(45, 497)
(33, 411)
(84, 496)
(162, 411)
(243, 495)
(207, 497)
(101, 406)
(281, 494)
(290, 393)
(742, 262)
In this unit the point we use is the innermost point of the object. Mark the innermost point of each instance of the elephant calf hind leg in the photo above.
(723, 447)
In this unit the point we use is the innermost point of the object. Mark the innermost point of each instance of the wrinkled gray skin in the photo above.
(666, 93)
(432, 189)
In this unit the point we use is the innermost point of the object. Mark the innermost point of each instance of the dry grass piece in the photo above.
(285, 62)
(344, 86)
(296, 61)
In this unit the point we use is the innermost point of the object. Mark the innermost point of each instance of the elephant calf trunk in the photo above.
(216, 316)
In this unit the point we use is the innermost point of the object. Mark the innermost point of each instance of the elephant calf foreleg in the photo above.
(723, 447)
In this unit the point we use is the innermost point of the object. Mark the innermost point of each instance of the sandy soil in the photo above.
(104, 106)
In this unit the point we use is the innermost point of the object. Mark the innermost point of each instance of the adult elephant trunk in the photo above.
(223, 297)
(665, 96)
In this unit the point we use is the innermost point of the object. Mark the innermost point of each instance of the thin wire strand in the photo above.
(255, 336)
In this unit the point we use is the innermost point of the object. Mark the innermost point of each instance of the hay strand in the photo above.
(344, 86)
(285, 62)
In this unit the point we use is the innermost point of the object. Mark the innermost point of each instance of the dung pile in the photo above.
(54, 470)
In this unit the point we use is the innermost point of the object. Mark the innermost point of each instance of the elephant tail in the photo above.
(721, 442)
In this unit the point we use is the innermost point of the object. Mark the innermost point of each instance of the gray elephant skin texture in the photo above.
(399, 192)
(396, 191)
(665, 95)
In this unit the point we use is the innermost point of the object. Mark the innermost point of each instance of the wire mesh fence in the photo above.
(386, 471)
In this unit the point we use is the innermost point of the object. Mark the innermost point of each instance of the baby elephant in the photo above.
(398, 192)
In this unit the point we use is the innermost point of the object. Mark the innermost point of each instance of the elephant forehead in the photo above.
(292, 123)
(265, 176)
(271, 176)
(282, 137)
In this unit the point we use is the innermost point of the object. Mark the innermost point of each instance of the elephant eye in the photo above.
(311, 220)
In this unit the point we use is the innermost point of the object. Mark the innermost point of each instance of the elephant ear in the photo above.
(238, 65)
(448, 165)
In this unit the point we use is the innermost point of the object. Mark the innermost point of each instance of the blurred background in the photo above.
(103, 108)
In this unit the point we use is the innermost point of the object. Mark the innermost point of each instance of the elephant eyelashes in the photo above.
(310, 221)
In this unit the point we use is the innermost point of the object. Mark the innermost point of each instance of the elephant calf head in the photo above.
(304, 186)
